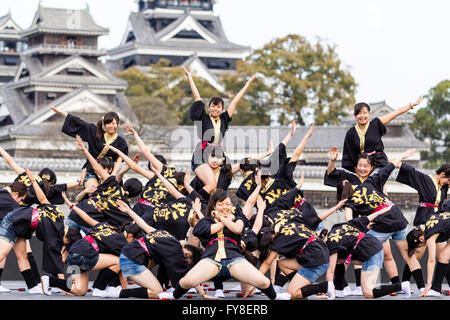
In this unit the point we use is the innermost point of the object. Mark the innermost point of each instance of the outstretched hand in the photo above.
(186, 72)
(30, 175)
(79, 142)
(66, 200)
(413, 104)
(293, 128)
(310, 131)
(130, 130)
(333, 153)
(123, 206)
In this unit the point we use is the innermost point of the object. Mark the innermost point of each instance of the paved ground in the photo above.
(19, 293)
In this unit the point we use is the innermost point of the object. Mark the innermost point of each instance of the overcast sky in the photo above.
(396, 50)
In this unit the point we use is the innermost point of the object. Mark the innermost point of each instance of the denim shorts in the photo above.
(224, 266)
(397, 235)
(77, 226)
(7, 231)
(84, 263)
(375, 262)
(129, 267)
(313, 273)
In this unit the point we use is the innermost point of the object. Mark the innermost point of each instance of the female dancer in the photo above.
(349, 242)
(434, 234)
(170, 215)
(96, 135)
(220, 230)
(365, 136)
(157, 247)
(104, 199)
(211, 129)
(98, 250)
(432, 192)
(48, 223)
(367, 198)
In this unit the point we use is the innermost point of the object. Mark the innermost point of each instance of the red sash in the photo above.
(428, 205)
(92, 242)
(206, 143)
(383, 205)
(34, 219)
(360, 236)
(146, 202)
(299, 203)
(143, 245)
(311, 239)
(223, 238)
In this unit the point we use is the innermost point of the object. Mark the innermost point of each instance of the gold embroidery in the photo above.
(438, 192)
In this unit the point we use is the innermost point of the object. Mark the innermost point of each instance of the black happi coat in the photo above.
(292, 207)
(212, 242)
(373, 144)
(438, 223)
(102, 204)
(343, 237)
(155, 192)
(108, 239)
(292, 237)
(7, 203)
(369, 195)
(173, 217)
(337, 176)
(74, 126)
(50, 230)
(161, 248)
(427, 188)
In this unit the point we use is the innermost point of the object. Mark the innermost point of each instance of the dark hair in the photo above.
(369, 159)
(196, 253)
(132, 187)
(250, 258)
(217, 196)
(160, 158)
(323, 234)
(132, 228)
(265, 242)
(226, 167)
(107, 163)
(216, 101)
(48, 175)
(344, 190)
(248, 164)
(107, 118)
(179, 176)
(72, 235)
(19, 187)
(359, 106)
(45, 187)
(412, 238)
(444, 168)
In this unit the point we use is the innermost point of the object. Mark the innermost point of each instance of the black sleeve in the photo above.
(379, 179)
(287, 200)
(335, 177)
(381, 128)
(74, 126)
(197, 111)
(273, 165)
(349, 154)
(360, 223)
(410, 176)
(202, 229)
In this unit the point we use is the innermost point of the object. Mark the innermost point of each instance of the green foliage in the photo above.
(298, 76)
(432, 124)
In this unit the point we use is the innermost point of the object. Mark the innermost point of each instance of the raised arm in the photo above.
(259, 215)
(11, 162)
(143, 148)
(232, 107)
(39, 193)
(59, 112)
(333, 157)
(288, 137)
(192, 85)
(83, 215)
(126, 168)
(323, 215)
(170, 187)
(95, 165)
(298, 151)
(251, 200)
(394, 114)
(133, 165)
(398, 161)
(133, 215)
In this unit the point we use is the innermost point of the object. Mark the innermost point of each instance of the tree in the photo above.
(432, 124)
(299, 76)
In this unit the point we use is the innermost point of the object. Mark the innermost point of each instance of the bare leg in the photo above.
(368, 282)
(245, 271)
(201, 272)
(389, 263)
(147, 280)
